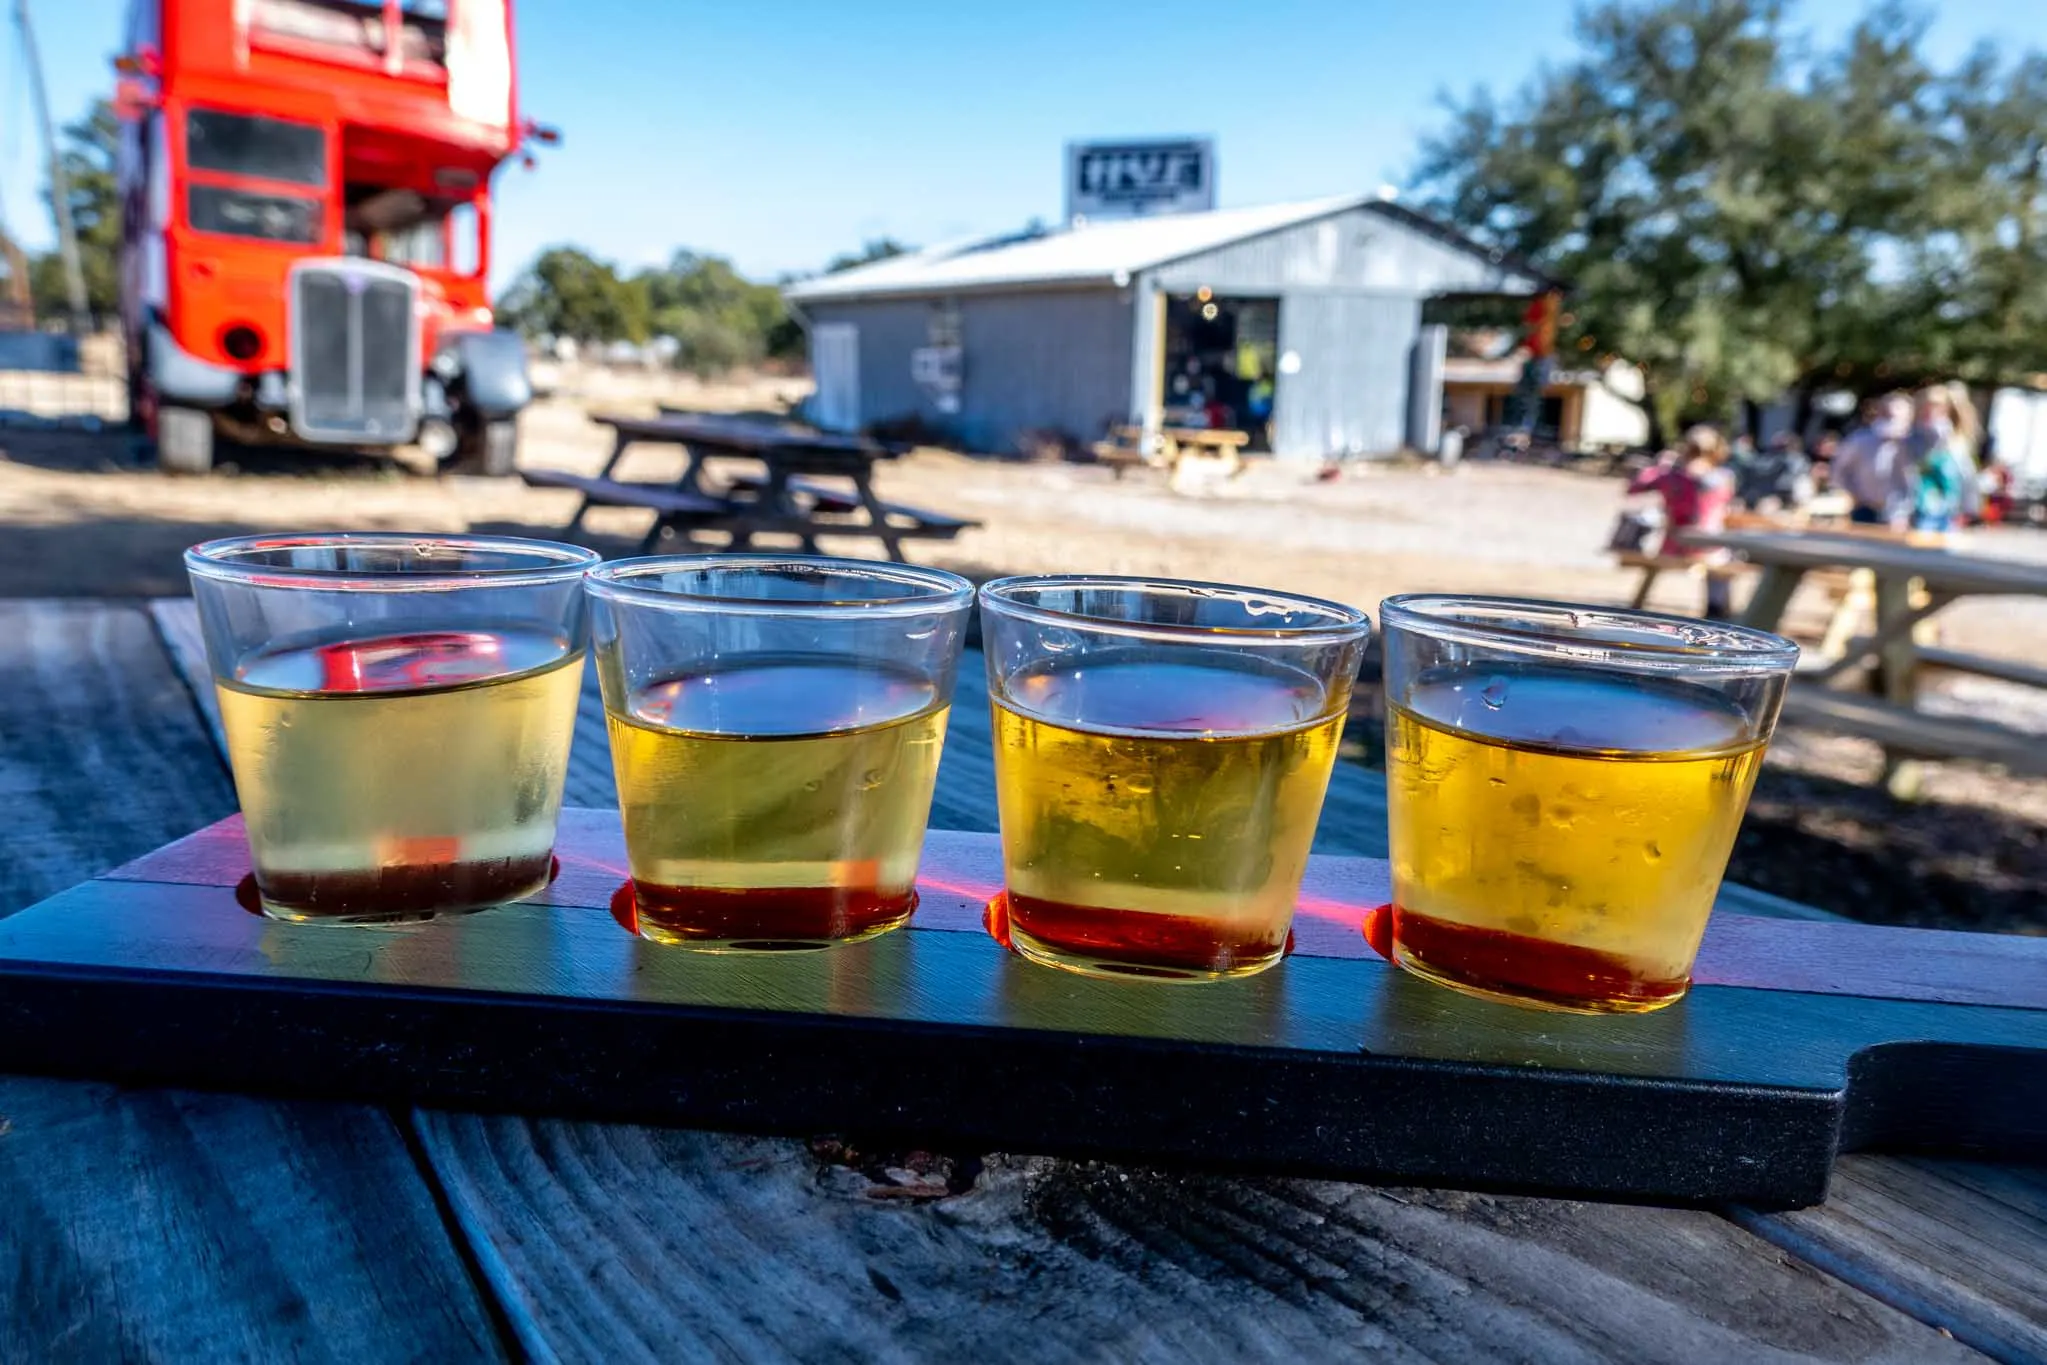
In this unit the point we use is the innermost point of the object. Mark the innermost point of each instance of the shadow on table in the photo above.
(1852, 848)
(105, 556)
(114, 450)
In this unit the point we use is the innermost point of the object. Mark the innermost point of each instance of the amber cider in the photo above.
(1559, 835)
(1157, 813)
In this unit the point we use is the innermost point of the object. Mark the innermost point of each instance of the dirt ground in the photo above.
(78, 518)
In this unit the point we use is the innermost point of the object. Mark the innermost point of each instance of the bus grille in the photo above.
(354, 352)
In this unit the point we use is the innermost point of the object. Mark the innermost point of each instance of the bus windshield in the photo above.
(267, 148)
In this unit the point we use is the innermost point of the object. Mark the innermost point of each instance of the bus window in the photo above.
(159, 173)
(247, 213)
(465, 240)
(400, 226)
(415, 244)
(267, 148)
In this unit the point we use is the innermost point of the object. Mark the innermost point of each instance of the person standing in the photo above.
(1539, 343)
(1944, 472)
(1696, 487)
(1875, 465)
(1966, 421)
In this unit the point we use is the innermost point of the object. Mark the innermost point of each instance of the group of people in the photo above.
(1911, 464)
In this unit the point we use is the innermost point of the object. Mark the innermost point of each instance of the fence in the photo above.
(48, 380)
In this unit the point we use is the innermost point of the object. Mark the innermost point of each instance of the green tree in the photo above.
(1985, 277)
(874, 249)
(567, 292)
(88, 152)
(721, 319)
(1738, 214)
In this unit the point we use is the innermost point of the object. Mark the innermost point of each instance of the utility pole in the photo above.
(60, 183)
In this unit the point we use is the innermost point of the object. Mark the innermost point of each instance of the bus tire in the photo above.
(184, 440)
(491, 450)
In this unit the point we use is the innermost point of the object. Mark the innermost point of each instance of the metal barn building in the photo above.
(1301, 323)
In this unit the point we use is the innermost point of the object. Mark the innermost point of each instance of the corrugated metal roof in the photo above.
(1094, 254)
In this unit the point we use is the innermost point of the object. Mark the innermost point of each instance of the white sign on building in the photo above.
(1134, 178)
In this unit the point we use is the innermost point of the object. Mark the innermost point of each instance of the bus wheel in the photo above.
(184, 440)
(491, 450)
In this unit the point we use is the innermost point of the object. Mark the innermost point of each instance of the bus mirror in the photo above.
(141, 62)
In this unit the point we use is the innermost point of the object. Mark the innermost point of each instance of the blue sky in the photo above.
(780, 132)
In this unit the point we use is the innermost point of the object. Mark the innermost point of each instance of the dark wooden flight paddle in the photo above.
(1799, 1040)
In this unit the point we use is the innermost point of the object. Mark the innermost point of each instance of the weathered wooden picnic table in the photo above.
(155, 1224)
(796, 482)
(1173, 449)
(1912, 584)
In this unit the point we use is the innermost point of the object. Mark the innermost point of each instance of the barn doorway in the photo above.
(1221, 364)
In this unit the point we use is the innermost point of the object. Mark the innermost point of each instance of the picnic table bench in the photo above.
(1912, 583)
(172, 1224)
(1173, 449)
(786, 496)
(1654, 566)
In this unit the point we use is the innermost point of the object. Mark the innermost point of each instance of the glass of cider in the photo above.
(776, 723)
(1161, 753)
(1564, 785)
(398, 711)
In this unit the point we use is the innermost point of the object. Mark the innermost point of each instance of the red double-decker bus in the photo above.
(306, 226)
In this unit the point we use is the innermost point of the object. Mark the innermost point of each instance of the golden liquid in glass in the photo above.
(1156, 816)
(778, 803)
(1559, 836)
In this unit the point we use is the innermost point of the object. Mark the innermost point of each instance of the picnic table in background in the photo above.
(794, 481)
(1851, 593)
(1172, 448)
(1912, 583)
(150, 1223)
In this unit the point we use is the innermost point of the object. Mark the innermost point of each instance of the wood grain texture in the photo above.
(101, 755)
(635, 1244)
(1958, 1245)
(1943, 571)
(165, 1225)
(743, 436)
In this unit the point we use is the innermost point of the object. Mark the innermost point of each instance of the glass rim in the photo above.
(941, 590)
(1346, 623)
(552, 562)
(1699, 646)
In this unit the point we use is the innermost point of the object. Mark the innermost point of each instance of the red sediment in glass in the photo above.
(400, 890)
(1139, 938)
(770, 913)
(1514, 964)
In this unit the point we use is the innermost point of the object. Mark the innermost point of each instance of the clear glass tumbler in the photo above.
(398, 711)
(1161, 754)
(776, 723)
(1564, 785)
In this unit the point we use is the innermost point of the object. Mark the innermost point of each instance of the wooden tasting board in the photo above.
(1799, 1041)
